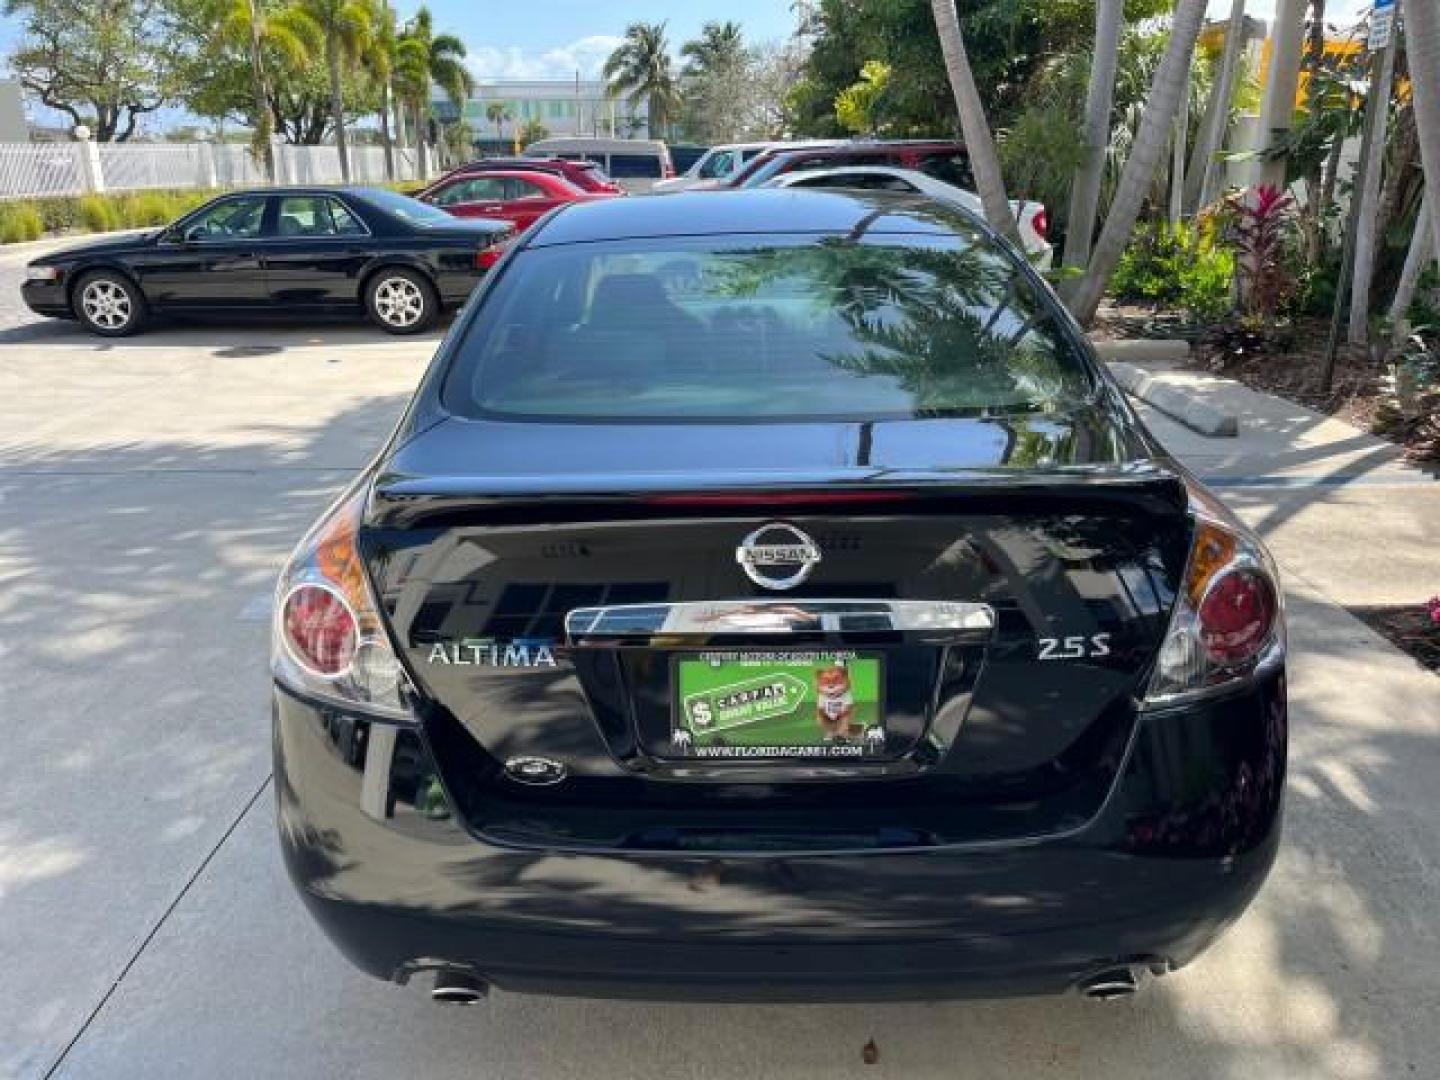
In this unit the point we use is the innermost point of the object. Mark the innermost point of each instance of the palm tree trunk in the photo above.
(1277, 108)
(1368, 216)
(385, 139)
(337, 103)
(421, 165)
(261, 90)
(1422, 251)
(1422, 28)
(1217, 115)
(1312, 225)
(1171, 80)
(984, 162)
(1099, 104)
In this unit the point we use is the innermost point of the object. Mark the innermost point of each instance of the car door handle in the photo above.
(937, 622)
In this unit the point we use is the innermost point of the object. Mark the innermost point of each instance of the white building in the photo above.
(564, 106)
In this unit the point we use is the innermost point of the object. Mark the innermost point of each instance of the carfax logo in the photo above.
(487, 652)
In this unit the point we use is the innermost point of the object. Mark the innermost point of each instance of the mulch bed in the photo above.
(1410, 629)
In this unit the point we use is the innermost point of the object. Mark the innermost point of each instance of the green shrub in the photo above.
(98, 213)
(20, 222)
(1177, 267)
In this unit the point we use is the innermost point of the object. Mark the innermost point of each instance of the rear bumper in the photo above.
(1165, 866)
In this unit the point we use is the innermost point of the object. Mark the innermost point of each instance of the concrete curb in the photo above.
(1156, 351)
(1199, 416)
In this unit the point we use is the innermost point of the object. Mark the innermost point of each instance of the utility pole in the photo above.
(1382, 44)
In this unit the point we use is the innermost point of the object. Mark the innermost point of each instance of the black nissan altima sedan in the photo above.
(287, 251)
(769, 596)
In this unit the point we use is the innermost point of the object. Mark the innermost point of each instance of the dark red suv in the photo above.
(943, 159)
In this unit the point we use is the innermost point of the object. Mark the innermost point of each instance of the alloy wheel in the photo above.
(107, 304)
(399, 302)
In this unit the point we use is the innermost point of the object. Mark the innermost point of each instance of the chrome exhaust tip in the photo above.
(1109, 985)
(458, 988)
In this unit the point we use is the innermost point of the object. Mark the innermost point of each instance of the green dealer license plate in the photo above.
(755, 705)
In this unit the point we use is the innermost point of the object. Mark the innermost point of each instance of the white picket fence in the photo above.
(34, 170)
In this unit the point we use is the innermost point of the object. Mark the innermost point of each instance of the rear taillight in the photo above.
(1041, 223)
(1228, 623)
(329, 641)
(487, 257)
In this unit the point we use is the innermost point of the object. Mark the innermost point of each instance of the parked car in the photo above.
(636, 164)
(518, 196)
(585, 175)
(772, 596)
(301, 251)
(1030, 217)
(720, 163)
(684, 155)
(942, 159)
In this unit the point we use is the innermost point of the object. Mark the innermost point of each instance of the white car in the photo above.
(719, 163)
(1031, 217)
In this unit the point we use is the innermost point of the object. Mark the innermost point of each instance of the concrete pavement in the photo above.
(149, 491)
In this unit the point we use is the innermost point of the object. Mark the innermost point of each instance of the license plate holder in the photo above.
(793, 705)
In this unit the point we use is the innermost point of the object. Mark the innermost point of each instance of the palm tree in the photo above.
(379, 59)
(1422, 29)
(640, 69)
(1099, 104)
(719, 48)
(499, 114)
(1277, 107)
(1171, 80)
(1422, 251)
(1367, 216)
(349, 27)
(424, 57)
(1217, 114)
(984, 162)
(287, 31)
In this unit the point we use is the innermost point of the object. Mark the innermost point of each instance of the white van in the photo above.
(634, 164)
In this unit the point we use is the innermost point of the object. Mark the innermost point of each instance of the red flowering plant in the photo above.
(1261, 228)
(1433, 606)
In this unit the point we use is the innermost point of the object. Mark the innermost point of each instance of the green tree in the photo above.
(499, 113)
(857, 107)
(348, 27)
(641, 69)
(103, 63)
(424, 57)
(287, 33)
(715, 81)
(531, 131)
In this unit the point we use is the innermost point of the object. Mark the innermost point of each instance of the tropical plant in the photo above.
(857, 106)
(499, 113)
(984, 162)
(531, 131)
(379, 61)
(288, 32)
(716, 83)
(1171, 81)
(1177, 265)
(640, 70)
(1261, 223)
(424, 57)
(1367, 211)
(719, 48)
(348, 27)
(1211, 137)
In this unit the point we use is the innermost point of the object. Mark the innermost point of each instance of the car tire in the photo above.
(108, 303)
(401, 301)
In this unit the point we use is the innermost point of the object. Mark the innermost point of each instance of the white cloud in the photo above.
(586, 55)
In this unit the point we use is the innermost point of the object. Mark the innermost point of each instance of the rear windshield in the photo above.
(764, 328)
(402, 206)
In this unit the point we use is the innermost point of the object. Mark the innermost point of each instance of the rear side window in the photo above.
(766, 328)
(635, 166)
(952, 168)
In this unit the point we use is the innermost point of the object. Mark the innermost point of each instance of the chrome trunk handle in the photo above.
(937, 622)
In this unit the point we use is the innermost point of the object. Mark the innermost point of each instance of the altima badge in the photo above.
(777, 545)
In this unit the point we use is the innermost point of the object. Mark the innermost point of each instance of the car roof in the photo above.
(750, 212)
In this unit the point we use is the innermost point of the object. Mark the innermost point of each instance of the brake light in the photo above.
(485, 258)
(329, 641)
(1041, 223)
(1227, 623)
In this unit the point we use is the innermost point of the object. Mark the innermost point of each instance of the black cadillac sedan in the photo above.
(300, 251)
(769, 596)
